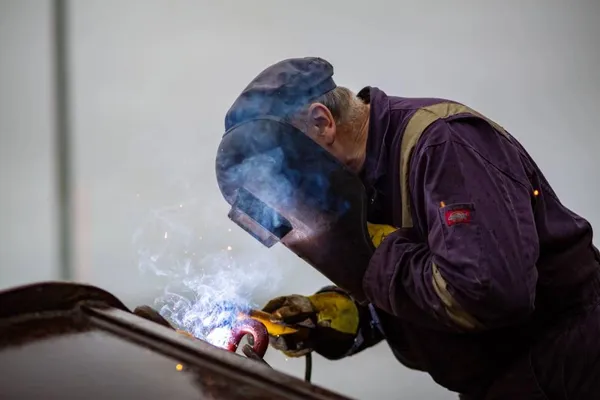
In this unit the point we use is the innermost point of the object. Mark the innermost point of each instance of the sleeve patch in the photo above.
(457, 216)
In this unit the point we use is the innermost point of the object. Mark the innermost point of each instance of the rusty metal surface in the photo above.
(69, 341)
(53, 296)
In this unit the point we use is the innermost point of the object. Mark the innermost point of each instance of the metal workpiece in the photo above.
(74, 341)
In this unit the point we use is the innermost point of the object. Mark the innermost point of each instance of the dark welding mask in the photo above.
(283, 187)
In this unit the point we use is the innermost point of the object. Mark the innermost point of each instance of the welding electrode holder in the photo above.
(275, 328)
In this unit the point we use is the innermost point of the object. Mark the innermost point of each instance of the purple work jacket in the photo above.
(507, 254)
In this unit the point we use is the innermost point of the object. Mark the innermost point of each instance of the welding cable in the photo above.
(308, 367)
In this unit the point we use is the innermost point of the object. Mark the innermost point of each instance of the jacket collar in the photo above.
(378, 140)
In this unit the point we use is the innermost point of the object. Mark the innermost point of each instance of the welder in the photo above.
(478, 274)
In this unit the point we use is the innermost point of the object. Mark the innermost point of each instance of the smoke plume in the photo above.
(205, 284)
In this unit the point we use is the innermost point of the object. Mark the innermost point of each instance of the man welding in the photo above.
(475, 272)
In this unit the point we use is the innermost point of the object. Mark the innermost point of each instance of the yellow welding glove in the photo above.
(378, 232)
(332, 317)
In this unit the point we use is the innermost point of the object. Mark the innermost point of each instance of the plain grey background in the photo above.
(151, 81)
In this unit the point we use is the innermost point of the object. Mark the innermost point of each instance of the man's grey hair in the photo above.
(341, 102)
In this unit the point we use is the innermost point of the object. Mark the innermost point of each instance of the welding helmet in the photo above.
(284, 187)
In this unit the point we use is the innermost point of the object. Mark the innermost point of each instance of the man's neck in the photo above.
(357, 160)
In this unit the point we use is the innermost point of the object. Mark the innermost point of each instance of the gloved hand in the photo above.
(378, 233)
(333, 316)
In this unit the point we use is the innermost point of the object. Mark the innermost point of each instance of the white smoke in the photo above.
(205, 284)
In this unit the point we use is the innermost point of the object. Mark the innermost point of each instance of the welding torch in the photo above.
(274, 327)
(278, 328)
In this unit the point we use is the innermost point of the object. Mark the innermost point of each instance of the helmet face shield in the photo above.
(284, 187)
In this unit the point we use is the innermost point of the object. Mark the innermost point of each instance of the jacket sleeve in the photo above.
(368, 334)
(469, 263)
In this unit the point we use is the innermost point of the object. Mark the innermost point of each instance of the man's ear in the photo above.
(323, 122)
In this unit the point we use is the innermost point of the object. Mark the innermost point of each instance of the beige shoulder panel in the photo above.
(417, 125)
